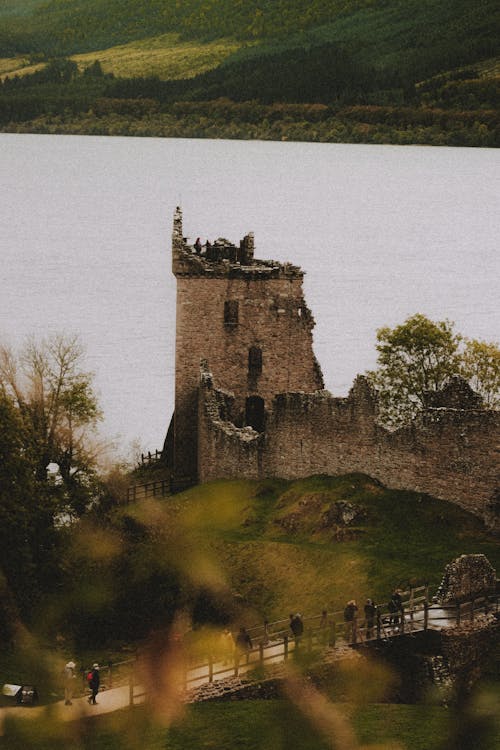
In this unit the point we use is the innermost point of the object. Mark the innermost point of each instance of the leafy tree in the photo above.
(419, 356)
(481, 367)
(94, 70)
(413, 358)
(58, 412)
(28, 538)
(60, 70)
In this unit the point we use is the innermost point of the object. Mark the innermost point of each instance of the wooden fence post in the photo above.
(110, 668)
(210, 668)
(402, 619)
(379, 625)
(285, 644)
(131, 690)
(426, 614)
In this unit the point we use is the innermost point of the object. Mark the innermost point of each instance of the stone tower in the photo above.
(248, 319)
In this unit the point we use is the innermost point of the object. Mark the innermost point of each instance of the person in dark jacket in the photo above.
(94, 682)
(395, 608)
(297, 627)
(370, 614)
(243, 644)
(351, 620)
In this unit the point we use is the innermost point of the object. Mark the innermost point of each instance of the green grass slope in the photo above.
(281, 547)
(428, 34)
(271, 547)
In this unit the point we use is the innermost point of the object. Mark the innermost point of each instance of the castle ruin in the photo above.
(250, 400)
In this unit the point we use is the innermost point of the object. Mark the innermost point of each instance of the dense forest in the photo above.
(351, 56)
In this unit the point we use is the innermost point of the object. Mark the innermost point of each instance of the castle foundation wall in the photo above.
(452, 454)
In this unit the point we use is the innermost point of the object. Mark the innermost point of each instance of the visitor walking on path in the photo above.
(297, 627)
(227, 646)
(350, 619)
(243, 644)
(370, 614)
(94, 681)
(395, 608)
(69, 682)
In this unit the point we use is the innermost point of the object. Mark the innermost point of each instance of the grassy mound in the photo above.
(318, 542)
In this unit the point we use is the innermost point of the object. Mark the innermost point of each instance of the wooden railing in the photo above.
(158, 488)
(272, 642)
(150, 458)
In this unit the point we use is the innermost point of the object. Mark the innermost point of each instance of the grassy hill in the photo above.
(263, 549)
(416, 58)
(283, 546)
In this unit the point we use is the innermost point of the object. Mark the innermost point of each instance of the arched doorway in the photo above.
(254, 413)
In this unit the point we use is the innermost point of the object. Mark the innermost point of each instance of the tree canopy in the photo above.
(57, 411)
(420, 356)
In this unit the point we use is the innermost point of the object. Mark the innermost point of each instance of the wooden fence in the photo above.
(273, 643)
(158, 488)
(150, 458)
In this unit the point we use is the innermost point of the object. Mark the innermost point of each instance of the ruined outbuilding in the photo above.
(250, 400)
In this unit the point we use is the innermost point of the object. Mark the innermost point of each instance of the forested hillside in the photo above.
(412, 60)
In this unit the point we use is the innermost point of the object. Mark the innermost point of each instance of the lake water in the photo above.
(382, 232)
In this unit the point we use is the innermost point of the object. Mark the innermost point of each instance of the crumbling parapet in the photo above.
(455, 394)
(223, 259)
(466, 578)
(224, 450)
(361, 402)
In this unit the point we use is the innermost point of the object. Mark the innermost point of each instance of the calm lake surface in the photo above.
(383, 232)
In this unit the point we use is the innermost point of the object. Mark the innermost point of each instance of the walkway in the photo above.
(107, 702)
(272, 646)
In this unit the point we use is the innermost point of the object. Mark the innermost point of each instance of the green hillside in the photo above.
(379, 30)
(283, 546)
(430, 69)
(18, 8)
(232, 553)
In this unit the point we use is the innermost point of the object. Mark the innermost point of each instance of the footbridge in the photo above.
(273, 643)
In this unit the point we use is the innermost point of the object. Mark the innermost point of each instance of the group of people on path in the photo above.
(395, 607)
(241, 645)
(93, 680)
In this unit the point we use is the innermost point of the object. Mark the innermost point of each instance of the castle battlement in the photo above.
(224, 259)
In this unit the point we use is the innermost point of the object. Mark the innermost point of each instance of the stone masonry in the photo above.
(249, 319)
(465, 578)
(257, 407)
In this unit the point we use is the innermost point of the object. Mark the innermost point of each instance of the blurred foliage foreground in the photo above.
(162, 578)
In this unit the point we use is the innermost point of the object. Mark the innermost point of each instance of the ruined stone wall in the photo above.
(452, 454)
(271, 317)
(268, 319)
(230, 307)
(224, 450)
